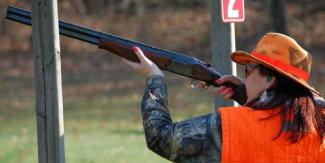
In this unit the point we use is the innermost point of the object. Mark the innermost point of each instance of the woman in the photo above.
(283, 119)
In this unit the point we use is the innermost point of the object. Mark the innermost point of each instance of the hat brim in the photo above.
(244, 58)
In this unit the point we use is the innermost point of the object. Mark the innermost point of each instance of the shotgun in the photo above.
(166, 60)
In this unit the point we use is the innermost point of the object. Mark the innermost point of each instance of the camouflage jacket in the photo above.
(195, 140)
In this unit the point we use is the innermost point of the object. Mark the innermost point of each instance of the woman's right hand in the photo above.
(224, 91)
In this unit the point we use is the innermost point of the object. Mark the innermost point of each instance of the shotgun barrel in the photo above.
(166, 60)
(103, 39)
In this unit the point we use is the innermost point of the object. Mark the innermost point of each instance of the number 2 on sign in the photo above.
(232, 13)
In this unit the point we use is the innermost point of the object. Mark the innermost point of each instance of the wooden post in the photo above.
(223, 43)
(49, 107)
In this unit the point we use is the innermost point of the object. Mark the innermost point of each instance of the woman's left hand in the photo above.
(146, 66)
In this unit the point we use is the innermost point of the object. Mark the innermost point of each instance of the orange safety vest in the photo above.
(247, 137)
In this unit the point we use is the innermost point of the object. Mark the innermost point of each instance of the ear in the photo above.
(270, 81)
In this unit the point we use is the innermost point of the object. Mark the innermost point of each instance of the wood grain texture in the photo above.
(49, 105)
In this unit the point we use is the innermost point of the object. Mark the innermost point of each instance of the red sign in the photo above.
(233, 10)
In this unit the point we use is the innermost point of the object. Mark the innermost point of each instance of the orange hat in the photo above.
(282, 54)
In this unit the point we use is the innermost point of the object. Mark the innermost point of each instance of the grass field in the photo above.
(101, 116)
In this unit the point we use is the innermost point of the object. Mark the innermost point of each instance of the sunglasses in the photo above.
(249, 68)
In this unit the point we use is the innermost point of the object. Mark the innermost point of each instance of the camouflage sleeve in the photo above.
(196, 139)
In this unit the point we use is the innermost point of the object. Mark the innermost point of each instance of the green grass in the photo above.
(101, 116)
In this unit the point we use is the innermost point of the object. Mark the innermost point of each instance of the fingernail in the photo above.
(135, 49)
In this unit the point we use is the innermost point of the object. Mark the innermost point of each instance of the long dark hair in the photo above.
(301, 110)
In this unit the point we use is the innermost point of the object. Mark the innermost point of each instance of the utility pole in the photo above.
(49, 105)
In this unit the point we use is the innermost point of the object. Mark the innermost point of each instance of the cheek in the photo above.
(250, 88)
(254, 85)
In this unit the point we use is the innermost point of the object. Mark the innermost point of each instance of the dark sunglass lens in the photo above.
(246, 71)
(249, 69)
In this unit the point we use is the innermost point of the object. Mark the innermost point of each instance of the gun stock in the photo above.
(166, 60)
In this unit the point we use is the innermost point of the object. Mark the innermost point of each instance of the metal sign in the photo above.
(233, 10)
